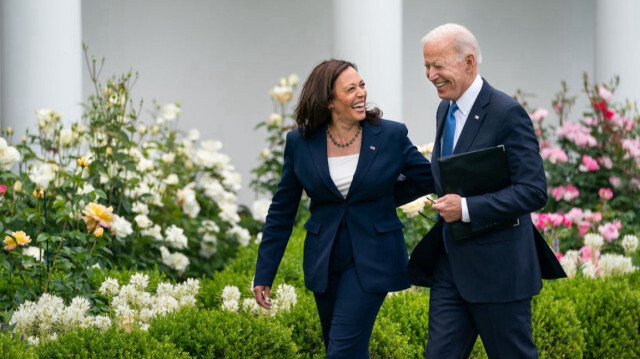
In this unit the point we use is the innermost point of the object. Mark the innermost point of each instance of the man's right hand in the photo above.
(263, 296)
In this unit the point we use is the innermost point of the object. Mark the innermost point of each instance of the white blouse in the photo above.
(341, 170)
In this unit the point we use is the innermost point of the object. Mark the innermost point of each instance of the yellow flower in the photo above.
(96, 214)
(98, 232)
(38, 194)
(17, 186)
(83, 162)
(16, 238)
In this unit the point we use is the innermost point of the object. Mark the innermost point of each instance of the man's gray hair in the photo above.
(464, 41)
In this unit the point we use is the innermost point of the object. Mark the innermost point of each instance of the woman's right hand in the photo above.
(263, 296)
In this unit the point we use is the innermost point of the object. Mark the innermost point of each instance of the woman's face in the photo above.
(350, 97)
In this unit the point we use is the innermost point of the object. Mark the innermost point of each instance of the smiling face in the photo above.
(349, 97)
(450, 75)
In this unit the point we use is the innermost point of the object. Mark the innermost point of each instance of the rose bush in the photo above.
(112, 191)
(593, 174)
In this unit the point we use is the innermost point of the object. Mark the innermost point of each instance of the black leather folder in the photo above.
(472, 174)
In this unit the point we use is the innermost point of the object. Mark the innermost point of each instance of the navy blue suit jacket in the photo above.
(502, 265)
(369, 208)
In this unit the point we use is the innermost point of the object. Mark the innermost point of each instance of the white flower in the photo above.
(231, 179)
(412, 208)
(242, 234)
(193, 134)
(230, 305)
(629, 243)
(259, 209)
(143, 221)
(8, 155)
(293, 80)
(140, 281)
(207, 250)
(589, 269)
(109, 287)
(175, 237)
(67, 137)
(170, 112)
(42, 174)
(266, 153)
(258, 238)
(188, 202)
(593, 240)
(120, 227)
(208, 226)
(172, 179)
(154, 232)
(426, 150)
(33, 341)
(140, 208)
(168, 158)
(86, 188)
(286, 297)
(275, 119)
(231, 292)
(102, 322)
(615, 264)
(33, 251)
(229, 212)
(177, 261)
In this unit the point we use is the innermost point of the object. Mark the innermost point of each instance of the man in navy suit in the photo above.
(482, 285)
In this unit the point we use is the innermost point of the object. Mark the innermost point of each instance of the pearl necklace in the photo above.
(347, 144)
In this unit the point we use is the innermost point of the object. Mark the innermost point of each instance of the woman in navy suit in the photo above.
(348, 160)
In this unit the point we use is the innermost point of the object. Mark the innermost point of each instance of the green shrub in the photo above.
(215, 334)
(410, 310)
(557, 331)
(113, 343)
(12, 347)
(609, 311)
(388, 342)
(304, 322)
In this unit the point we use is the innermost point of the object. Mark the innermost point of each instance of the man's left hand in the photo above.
(449, 207)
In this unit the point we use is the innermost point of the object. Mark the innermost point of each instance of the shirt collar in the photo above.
(465, 102)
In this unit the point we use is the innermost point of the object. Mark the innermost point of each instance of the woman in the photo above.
(347, 159)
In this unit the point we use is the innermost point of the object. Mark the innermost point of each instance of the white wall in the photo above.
(221, 58)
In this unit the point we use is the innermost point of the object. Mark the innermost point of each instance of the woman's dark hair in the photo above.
(312, 111)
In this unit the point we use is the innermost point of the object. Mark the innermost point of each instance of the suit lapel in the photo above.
(474, 120)
(318, 149)
(369, 148)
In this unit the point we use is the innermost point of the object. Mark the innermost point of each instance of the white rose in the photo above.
(411, 209)
(143, 221)
(194, 134)
(172, 179)
(259, 210)
(170, 112)
(8, 155)
(275, 120)
(168, 158)
(42, 174)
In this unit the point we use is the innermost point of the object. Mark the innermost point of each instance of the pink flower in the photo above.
(605, 193)
(539, 115)
(606, 162)
(590, 121)
(596, 217)
(632, 148)
(554, 154)
(604, 93)
(3, 189)
(575, 215)
(614, 181)
(557, 107)
(585, 253)
(588, 164)
(628, 123)
(559, 255)
(609, 231)
(583, 228)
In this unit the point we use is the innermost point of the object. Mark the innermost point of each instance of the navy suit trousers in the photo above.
(347, 312)
(454, 324)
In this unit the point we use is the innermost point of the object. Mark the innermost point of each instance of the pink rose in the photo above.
(609, 231)
(539, 115)
(3, 189)
(583, 228)
(585, 253)
(596, 217)
(605, 193)
(606, 162)
(588, 164)
(575, 214)
(604, 93)
(554, 154)
(614, 181)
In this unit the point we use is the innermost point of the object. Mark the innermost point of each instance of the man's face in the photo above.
(451, 76)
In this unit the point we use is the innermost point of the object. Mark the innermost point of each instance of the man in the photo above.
(482, 285)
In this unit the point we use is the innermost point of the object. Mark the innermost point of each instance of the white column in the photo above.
(618, 45)
(41, 61)
(369, 34)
